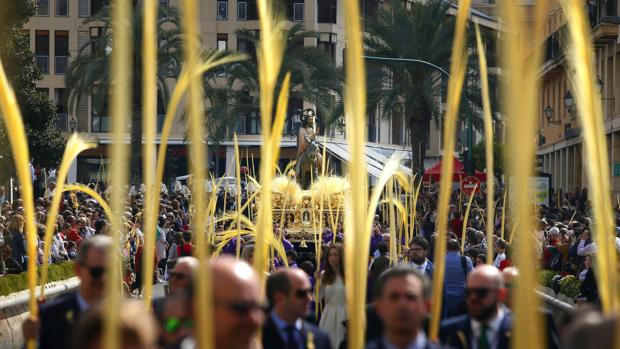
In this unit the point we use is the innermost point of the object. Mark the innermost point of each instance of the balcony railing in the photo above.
(43, 63)
(61, 63)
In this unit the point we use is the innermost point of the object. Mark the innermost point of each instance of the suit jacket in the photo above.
(378, 344)
(272, 339)
(58, 319)
(456, 332)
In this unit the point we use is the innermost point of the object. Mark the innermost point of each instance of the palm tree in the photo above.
(89, 73)
(314, 78)
(423, 32)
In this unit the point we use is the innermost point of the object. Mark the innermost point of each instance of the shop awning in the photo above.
(375, 160)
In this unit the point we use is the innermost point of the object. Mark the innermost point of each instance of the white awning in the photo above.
(341, 151)
(375, 160)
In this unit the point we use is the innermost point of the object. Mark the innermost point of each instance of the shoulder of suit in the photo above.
(61, 302)
(375, 344)
(456, 321)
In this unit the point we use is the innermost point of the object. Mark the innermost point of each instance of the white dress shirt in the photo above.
(492, 331)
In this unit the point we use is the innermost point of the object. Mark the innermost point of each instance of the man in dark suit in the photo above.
(487, 324)
(289, 293)
(57, 318)
(402, 302)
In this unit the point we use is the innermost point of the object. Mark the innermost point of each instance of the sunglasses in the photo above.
(95, 272)
(303, 293)
(178, 276)
(242, 308)
(478, 292)
(173, 324)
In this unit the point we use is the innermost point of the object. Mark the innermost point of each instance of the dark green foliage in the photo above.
(314, 78)
(499, 154)
(90, 71)
(413, 90)
(12, 283)
(38, 110)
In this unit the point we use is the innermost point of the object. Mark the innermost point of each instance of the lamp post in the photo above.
(72, 124)
(568, 101)
(548, 111)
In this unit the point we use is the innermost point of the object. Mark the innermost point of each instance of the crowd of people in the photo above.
(306, 303)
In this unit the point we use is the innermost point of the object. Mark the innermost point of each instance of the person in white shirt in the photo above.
(585, 250)
(500, 247)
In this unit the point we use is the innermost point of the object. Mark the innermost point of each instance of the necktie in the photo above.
(483, 340)
(290, 337)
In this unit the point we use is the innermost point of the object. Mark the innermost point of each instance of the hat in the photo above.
(554, 231)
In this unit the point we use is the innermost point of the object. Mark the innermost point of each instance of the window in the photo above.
(100, 120)
(60, 98)
(242, 10)
(43, 7)
(62, 8)
(61, 51)
(246, 46)
(298, 11)
(369, 8)
(164, 3)
(84, 8)
(222, 10)
(222, 42)
(372, 127)
(295, 10)
(222, 45)
(327, 11)
(97, 5)
(246, 10)
(42, 50)
(327, 43)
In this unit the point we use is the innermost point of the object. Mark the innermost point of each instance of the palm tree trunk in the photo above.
(418, 148)
(136, 147)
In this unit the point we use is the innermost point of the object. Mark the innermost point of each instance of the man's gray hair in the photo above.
(401, 271)
(100, 242)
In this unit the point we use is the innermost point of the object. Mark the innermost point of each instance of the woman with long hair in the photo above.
(18, 241)
(332, 294)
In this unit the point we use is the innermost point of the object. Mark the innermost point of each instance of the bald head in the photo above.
(485, 276)
(182, 274)
(511, 276)
(237, 306)
(485, 292)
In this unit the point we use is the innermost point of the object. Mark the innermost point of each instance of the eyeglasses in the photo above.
(242, 308)
(303, 293)
(173, 324)
(479, 292)
(95, 272)
(178, 276)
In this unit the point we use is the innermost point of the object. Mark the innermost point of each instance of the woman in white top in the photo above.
(332, 293)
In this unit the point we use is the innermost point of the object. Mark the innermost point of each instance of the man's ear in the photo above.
(427, 305)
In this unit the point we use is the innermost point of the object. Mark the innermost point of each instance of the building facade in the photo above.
(59, 30)
(561, 152)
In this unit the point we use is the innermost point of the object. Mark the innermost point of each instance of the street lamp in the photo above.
(72, 124)
(600, 84)
(549, 115)
(568, 101)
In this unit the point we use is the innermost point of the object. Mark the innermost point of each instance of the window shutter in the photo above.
(84, 8)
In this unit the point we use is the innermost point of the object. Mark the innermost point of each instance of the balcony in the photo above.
(43, 63)
(61, 63)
